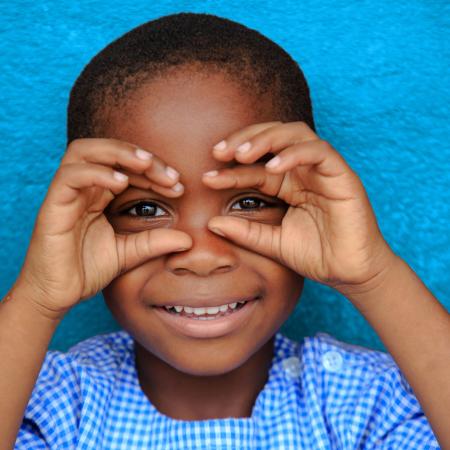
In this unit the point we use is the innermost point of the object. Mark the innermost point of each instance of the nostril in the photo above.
(180, 271)
(184, 271)
(223, 269)
(202, 260)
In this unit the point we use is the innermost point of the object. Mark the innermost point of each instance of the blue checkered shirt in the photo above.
(320, 394)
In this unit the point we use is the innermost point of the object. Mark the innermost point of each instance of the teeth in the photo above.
(204, 310)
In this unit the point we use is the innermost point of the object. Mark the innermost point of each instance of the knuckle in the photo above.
(229, 177)
(254, 233)
(306, 130)
(75, 150)
(234, 180)
(265, 137)
(228, 173)
(63, 171)
(141, 245)
(262, 181)
(269, 125)
(326, 148)
(302, 124)
(272, 184)
(77, 145)
(323, 143)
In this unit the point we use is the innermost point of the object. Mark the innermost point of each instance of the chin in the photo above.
(216, 363)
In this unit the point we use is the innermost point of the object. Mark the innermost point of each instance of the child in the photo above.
(201, 254)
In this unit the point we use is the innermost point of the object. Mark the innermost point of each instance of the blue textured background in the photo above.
(378, 73)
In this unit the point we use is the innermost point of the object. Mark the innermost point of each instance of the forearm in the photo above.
(24, 338)
(415, 328)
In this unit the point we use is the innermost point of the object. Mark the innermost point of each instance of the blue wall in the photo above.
(378, 73)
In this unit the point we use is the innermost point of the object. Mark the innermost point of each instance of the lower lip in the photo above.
(208, 328)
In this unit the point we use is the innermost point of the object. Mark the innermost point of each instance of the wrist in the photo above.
(361, 294)
(26, 298)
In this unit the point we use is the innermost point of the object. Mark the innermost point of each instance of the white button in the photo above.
(292, 366)
(332, 361)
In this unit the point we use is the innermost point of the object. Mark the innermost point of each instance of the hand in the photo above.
(74, 252)
(329, 233)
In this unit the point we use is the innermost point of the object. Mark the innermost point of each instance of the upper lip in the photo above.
(205, 302)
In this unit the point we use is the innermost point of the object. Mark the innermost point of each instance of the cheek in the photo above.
(135, 280)
(284, 286)
(116, 299)
(123, 294)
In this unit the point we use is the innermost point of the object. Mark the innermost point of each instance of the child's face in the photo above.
(179, 119)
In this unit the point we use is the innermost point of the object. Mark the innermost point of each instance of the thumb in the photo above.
(255, 236)
(134, 249)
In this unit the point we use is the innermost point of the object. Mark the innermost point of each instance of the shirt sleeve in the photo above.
(401, 424)
(30, 437)
(51, 417)
(367, 402)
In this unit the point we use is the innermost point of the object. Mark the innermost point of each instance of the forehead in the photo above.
(180, 116)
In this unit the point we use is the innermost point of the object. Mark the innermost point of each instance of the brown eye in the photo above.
(143, 209)
(252, 203)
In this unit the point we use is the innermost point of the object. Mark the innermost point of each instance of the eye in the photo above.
(252, 203)
(143, 209)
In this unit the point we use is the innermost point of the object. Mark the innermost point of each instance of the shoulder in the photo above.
(69, 380)
(363, 394)
(104, 352)
(344, 371)
(331, 356)
(331, 367)
(99, 355)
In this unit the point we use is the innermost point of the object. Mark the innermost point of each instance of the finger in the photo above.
(121, 155)
(273, 140)
(255, 236)
(242, 135)
(160, 173)
(142, 182)
(71, 178)
(327, 161)
(136, 248)
(241, 177)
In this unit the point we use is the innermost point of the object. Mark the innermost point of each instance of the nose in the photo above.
(210, 254)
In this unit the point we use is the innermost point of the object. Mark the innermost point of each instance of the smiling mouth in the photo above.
(210, 313)
(204, 325)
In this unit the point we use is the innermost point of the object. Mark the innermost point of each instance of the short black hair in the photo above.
(146, 52)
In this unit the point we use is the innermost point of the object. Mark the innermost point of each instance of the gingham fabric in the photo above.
(320, 394)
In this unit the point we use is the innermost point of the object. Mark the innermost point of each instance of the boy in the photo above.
(194, 227)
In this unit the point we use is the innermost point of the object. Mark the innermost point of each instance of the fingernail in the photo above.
(217, 231)
(273, 162)
(142, 154)
(178, 187)
(171, 173)
(245, 147)
(211, 173)
(120, 176)
(222, 145)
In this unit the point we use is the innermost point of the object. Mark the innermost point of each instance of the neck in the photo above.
(188, 397)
